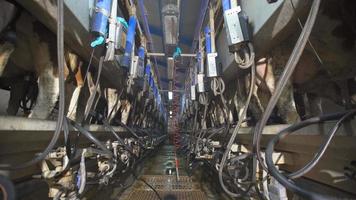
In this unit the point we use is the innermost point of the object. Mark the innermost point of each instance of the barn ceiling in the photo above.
(188, 18)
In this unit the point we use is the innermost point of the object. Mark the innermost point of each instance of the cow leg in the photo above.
(48, 82)
(125, 112)
(315, 106)
(255, 106)
(113, 101)
(72, 93)
(48, 90)
(83, 97)
(286, 105)
(287, 109)
(240, 98)
(73, 103)
(5, 52)
(16, 93)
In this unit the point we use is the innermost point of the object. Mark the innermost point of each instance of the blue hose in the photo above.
(130, 40)
(155, 91)
(151, 82)
(141, 61)
(148, 71)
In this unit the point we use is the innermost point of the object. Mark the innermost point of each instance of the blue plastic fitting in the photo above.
(155, 91)
(141, 52)
(98, 41)
(148, 70)
(151, 82)
(123, 21)
(226, 4)
(177, 53)
(130, 40)
(207, 39)
(101, 17)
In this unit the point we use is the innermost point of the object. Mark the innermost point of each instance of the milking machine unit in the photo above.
(119, 37)
(100, 20)
(237, 33)
(236, 24)
(211, 69)
(130, 42)
(137, 62)
(108, 29)
(204, 146)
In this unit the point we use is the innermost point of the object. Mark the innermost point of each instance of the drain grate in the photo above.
(168, 188)
(166, 195)
(169, 182)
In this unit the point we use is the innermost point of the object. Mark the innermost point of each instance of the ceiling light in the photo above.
(170, 17)
(170, 95)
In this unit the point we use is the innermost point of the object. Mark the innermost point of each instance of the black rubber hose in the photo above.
(60, 54)
(88, 135)
(111, 129)
(132, 133)
(235, 132)
(285, 180)
(7, 189)
(150, 186)
(290, 66)
(67, 142)
(322, 148)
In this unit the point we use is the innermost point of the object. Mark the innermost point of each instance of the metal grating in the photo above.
(168, 188)
(178, 195)
(169, 182)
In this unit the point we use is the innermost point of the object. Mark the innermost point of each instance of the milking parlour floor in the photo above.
(160, 173)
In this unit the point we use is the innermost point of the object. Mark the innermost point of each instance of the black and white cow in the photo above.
(28, 46)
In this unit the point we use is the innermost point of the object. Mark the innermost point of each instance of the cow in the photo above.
(33, 49)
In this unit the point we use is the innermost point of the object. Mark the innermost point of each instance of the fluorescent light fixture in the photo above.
(170, 68)
(170, 95)
(170, 17)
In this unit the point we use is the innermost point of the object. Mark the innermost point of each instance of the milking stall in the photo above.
(177, 99)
